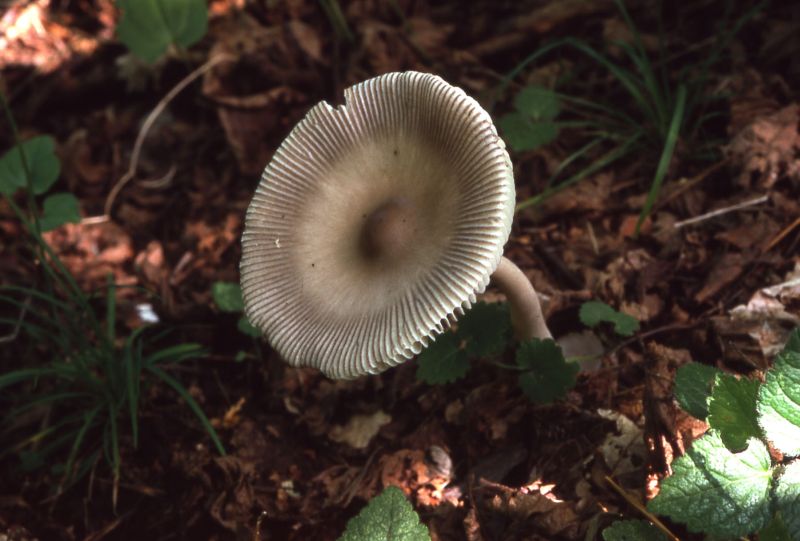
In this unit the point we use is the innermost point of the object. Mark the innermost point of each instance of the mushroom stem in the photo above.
(526, 313)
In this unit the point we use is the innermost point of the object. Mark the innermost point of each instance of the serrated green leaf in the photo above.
(732, 410)
(443, 361)
(548, 375)
(693, 384)
(779, 403)
(227, 296)
(633, 530)
(59, 209)
(387, 517)
(787, 499)
(537, 102)
(42, 162)
(148, 27)
(522, 134)
(716, 491)
(486, 329)
(593, 313)
(247, 328)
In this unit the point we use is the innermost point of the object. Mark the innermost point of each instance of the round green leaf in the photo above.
(59, 209)
(42, 163)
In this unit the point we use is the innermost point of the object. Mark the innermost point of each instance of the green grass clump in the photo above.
(79, 387)
(668, 105)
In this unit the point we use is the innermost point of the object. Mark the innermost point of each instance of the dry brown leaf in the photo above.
(768, 147)
(360, 429)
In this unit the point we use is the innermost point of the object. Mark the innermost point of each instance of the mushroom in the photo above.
(376, 223)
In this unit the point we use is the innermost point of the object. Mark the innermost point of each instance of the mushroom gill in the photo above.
(375, 223)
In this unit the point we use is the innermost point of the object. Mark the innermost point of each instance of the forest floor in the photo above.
(476, 458)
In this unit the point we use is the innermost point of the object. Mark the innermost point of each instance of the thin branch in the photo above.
(720, 212)
(145, 129)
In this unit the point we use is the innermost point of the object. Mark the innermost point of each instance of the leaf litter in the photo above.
(474, 457)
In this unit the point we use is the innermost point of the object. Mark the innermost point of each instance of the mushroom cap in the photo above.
(407, 140)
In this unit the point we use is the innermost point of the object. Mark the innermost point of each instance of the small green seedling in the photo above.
(593, 313)
(533, 123)
(44, 167)
(485, 332)
(729, 484)
(387, 517)
(228, 298)
(149, 27)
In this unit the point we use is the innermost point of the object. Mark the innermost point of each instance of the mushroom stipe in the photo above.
(377, 223)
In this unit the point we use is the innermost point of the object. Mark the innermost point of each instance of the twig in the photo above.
(641, 508)
(780, 236)
(13, 335)
(148, 123)
(719, 212)
(257, 532)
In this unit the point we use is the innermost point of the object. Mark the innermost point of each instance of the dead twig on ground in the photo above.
(145, 129)
(641, 508)
(720, 212)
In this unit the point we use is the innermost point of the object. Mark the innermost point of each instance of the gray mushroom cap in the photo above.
(406, 149)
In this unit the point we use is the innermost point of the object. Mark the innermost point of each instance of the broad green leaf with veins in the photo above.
(716, 491)
(779, 400)
(787, 499)
(732, 410)
(387, 517)
(693, 383)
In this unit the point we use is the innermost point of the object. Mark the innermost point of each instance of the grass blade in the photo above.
(666, 156)
(195, 407)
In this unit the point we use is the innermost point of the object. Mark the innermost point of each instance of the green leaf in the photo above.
(718, 492)
(548, 375)
(247, 328)
(387, 517)
(693, 384)
(787, 499)
(793, 344)
(148, 27)
(633, 530)
(59, 209)
(42, 162)
(443, 361)
(779, 403)
(537, 102)
(486, 329)
(522, 134)
(227, 296)
(732, 410)
(593, 313)
(775, 531)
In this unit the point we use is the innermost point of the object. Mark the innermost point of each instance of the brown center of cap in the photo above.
(389, 231)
